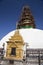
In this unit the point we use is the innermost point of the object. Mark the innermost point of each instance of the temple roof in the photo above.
(16, 37)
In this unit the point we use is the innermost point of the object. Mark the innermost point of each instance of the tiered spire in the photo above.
(27, 20)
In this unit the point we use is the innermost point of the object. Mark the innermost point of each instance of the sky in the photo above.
(10, 12)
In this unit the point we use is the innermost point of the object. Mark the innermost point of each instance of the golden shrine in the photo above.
(15, 47)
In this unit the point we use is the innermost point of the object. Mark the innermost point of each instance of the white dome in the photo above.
(34, 37)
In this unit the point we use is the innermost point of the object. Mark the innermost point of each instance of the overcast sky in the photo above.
(10, 11)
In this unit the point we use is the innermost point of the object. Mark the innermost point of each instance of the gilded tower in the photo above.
(26, 20)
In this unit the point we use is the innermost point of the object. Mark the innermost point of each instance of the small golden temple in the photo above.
(15, 46)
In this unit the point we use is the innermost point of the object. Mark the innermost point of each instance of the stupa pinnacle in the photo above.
(26, 20)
